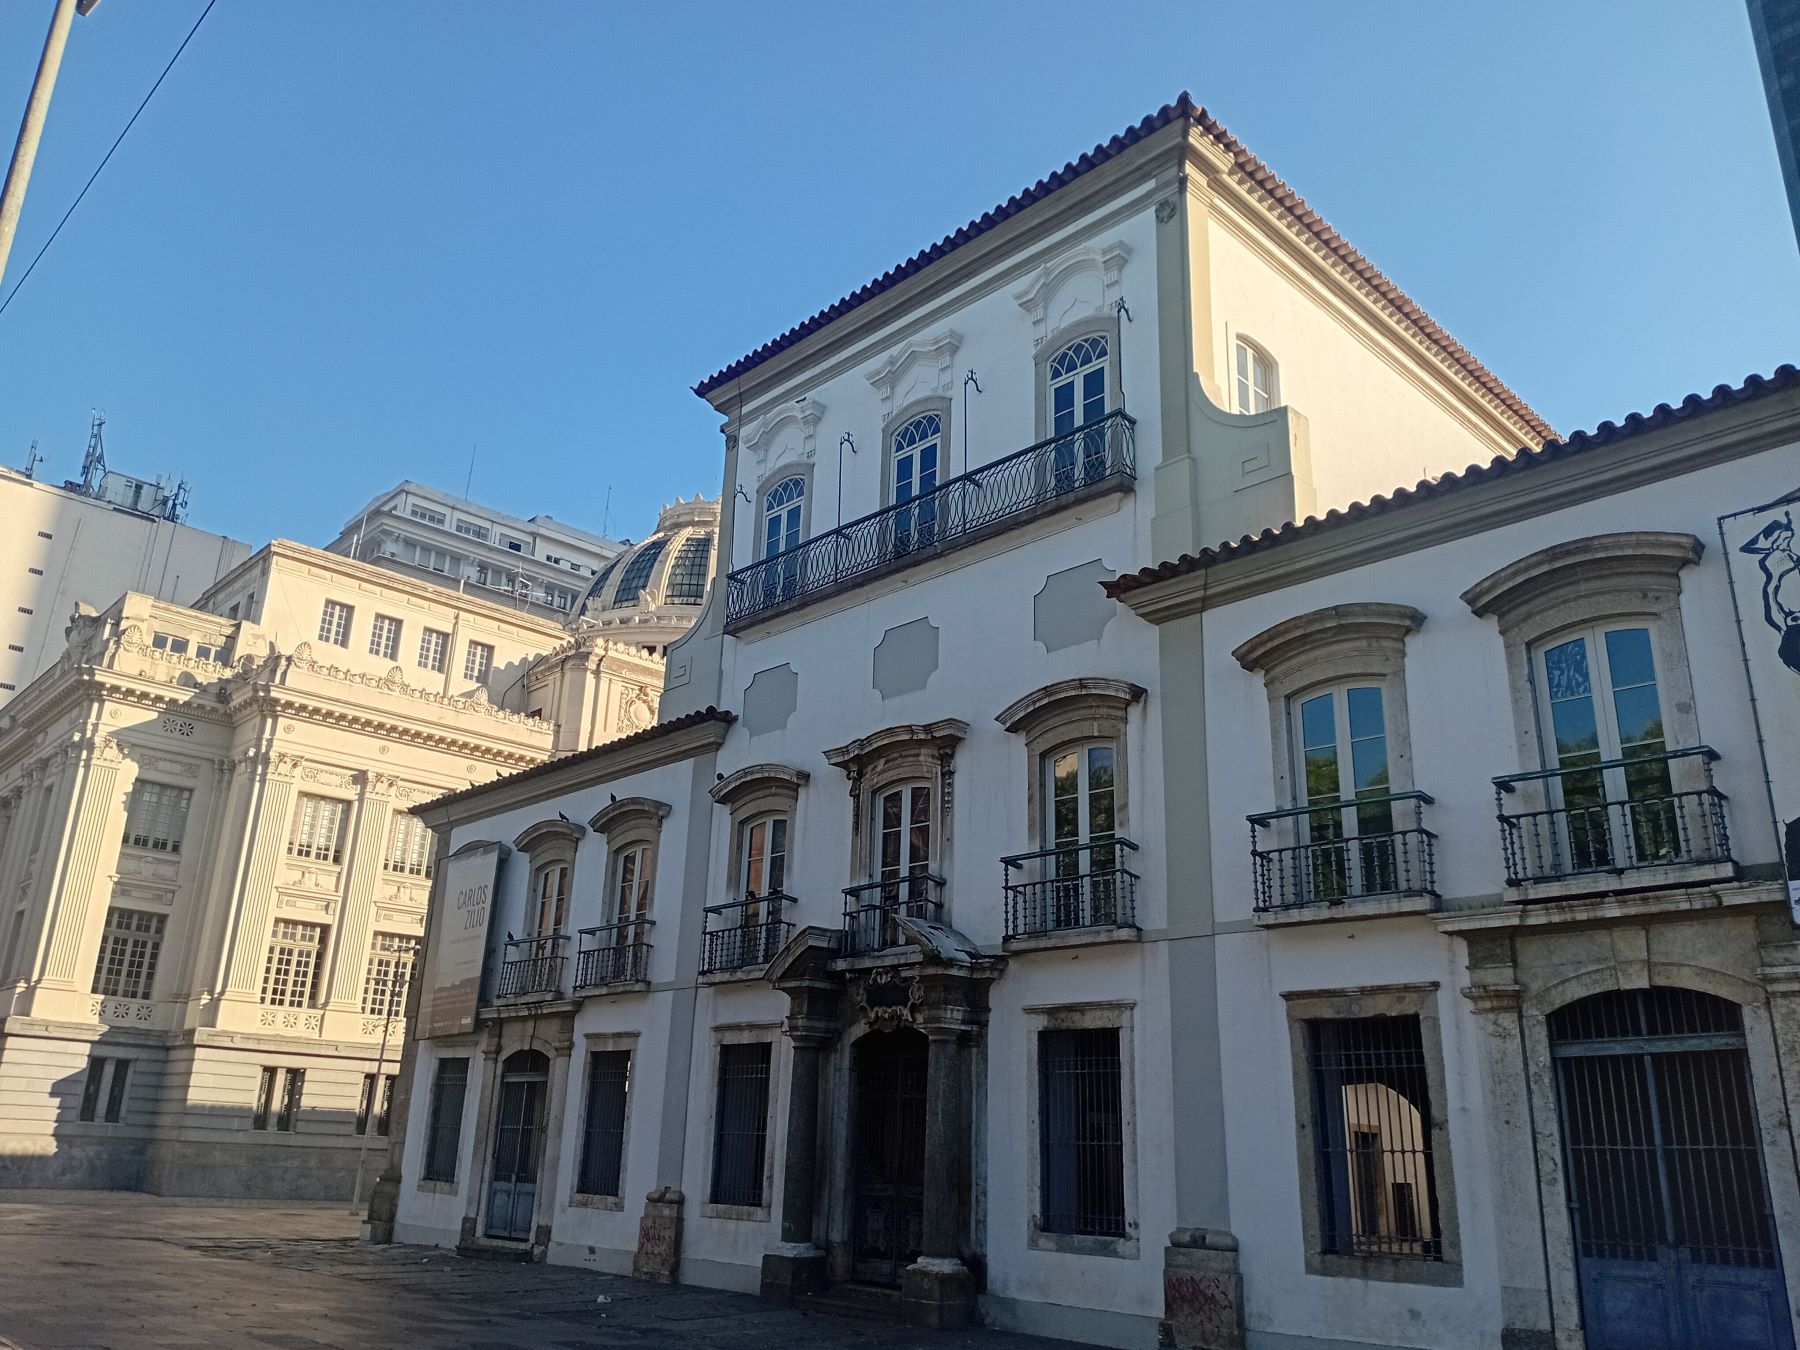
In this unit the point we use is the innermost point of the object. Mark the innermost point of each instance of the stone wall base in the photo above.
(659, 1237)
(1203, 1291)
(799, 1270)
(938, 1292)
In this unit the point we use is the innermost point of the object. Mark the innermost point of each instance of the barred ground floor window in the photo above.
(603, 1132)
(105, 1083)
(741, 1125)
(449, 1085)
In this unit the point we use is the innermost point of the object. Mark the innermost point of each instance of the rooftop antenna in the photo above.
(606, 513)
(471, 475)
(32, 460)
(93, 464)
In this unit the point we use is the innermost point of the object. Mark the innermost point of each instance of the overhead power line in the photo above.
(108, 156)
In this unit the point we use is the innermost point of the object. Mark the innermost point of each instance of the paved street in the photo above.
(128, 1272)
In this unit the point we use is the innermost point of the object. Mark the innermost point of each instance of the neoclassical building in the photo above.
(212, 890)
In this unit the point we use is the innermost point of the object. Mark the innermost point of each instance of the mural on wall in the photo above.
(1765, 589)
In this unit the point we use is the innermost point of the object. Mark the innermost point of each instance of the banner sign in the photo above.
(465, 899)
(1760, 550)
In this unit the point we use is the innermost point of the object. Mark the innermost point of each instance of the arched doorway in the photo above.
(518, 1144)
(1674, 1239)
(888, 1222)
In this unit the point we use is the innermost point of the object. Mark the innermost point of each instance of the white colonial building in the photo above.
(1489, 805)
(211, 889)
(881, 986)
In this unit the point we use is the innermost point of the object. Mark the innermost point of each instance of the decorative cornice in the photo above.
(1023, 715)
(394, 682)
(1301, 636)
(1581, 564)
(941, 735)
(757, 777)
(629, 811)
(559, 831)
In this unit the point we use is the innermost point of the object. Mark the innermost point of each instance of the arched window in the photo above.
(637, 574)
(782, 508)
(1078, 384)
(917, 448)
(1256, 391)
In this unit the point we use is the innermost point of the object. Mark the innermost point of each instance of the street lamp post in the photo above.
(18, 173)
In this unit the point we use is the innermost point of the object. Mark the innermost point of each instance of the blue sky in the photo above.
(349, 241)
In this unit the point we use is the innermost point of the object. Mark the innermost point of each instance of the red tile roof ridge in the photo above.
(1248, 164)
(1606, 433)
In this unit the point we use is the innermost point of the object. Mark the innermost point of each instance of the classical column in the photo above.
(85, 816)
(1525, 1307)
(798, 1265)
(355, 926)
(253, 896)
(555, 1123)
(938, 1288)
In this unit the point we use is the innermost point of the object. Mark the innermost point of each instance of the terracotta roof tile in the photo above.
(1278, 192)
(1724, 396)
(693, 719)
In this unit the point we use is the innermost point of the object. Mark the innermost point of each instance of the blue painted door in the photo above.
(1675, 1242)
(518, 1136)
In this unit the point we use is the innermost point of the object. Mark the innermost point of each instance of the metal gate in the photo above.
(518, 1140)
(891, 1072)
(1675, 1243)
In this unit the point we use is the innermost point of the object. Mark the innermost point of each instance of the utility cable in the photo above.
(109, 154)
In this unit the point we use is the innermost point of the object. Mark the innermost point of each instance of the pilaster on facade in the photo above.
(376, 795)
(274, 781)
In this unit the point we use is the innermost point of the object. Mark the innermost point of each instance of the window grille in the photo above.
(477, 661)
(106, 1078)
(1372, 1138)
(1081, 1132)
(129, 947)
(603, 1138)
(293, 963)
(636, 575)
(319, 829)
(434, 646)
(687, 574)
(293, 1085)
(448, 1088)
(384, 638)
(157, 816)
(375, 1107)
(740, 1124)
(409, 846)
(334, 624)
(392, 958)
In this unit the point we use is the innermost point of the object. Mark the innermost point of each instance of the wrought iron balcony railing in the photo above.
(614, 953)
(1078, 886)
(742, 934)
(870, 910)
(1330, 853)
(532, 967)
(1612, 816)
(1080, 463)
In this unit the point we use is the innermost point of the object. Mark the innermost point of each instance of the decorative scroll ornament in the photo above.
(886, 1000)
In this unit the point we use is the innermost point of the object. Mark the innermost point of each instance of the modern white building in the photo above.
(1488, 802)
(61, 548)
(866, 974)
(538, 565)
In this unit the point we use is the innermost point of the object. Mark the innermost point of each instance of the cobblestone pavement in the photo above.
(84, 1270)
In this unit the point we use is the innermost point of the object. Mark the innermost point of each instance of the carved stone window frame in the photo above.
(1082, 1017)
(753, 793)
(1393, 1000)
(1080, 711)
(592, 1042)
(628, 823)
(891, 426)
(1600, 579)
(912, 752)
(548, 843)
(1364, 641)
(774, 478)
(1104, 324)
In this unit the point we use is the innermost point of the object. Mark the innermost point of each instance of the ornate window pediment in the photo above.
(548, 836)
(1583, 580)
(630, 814)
